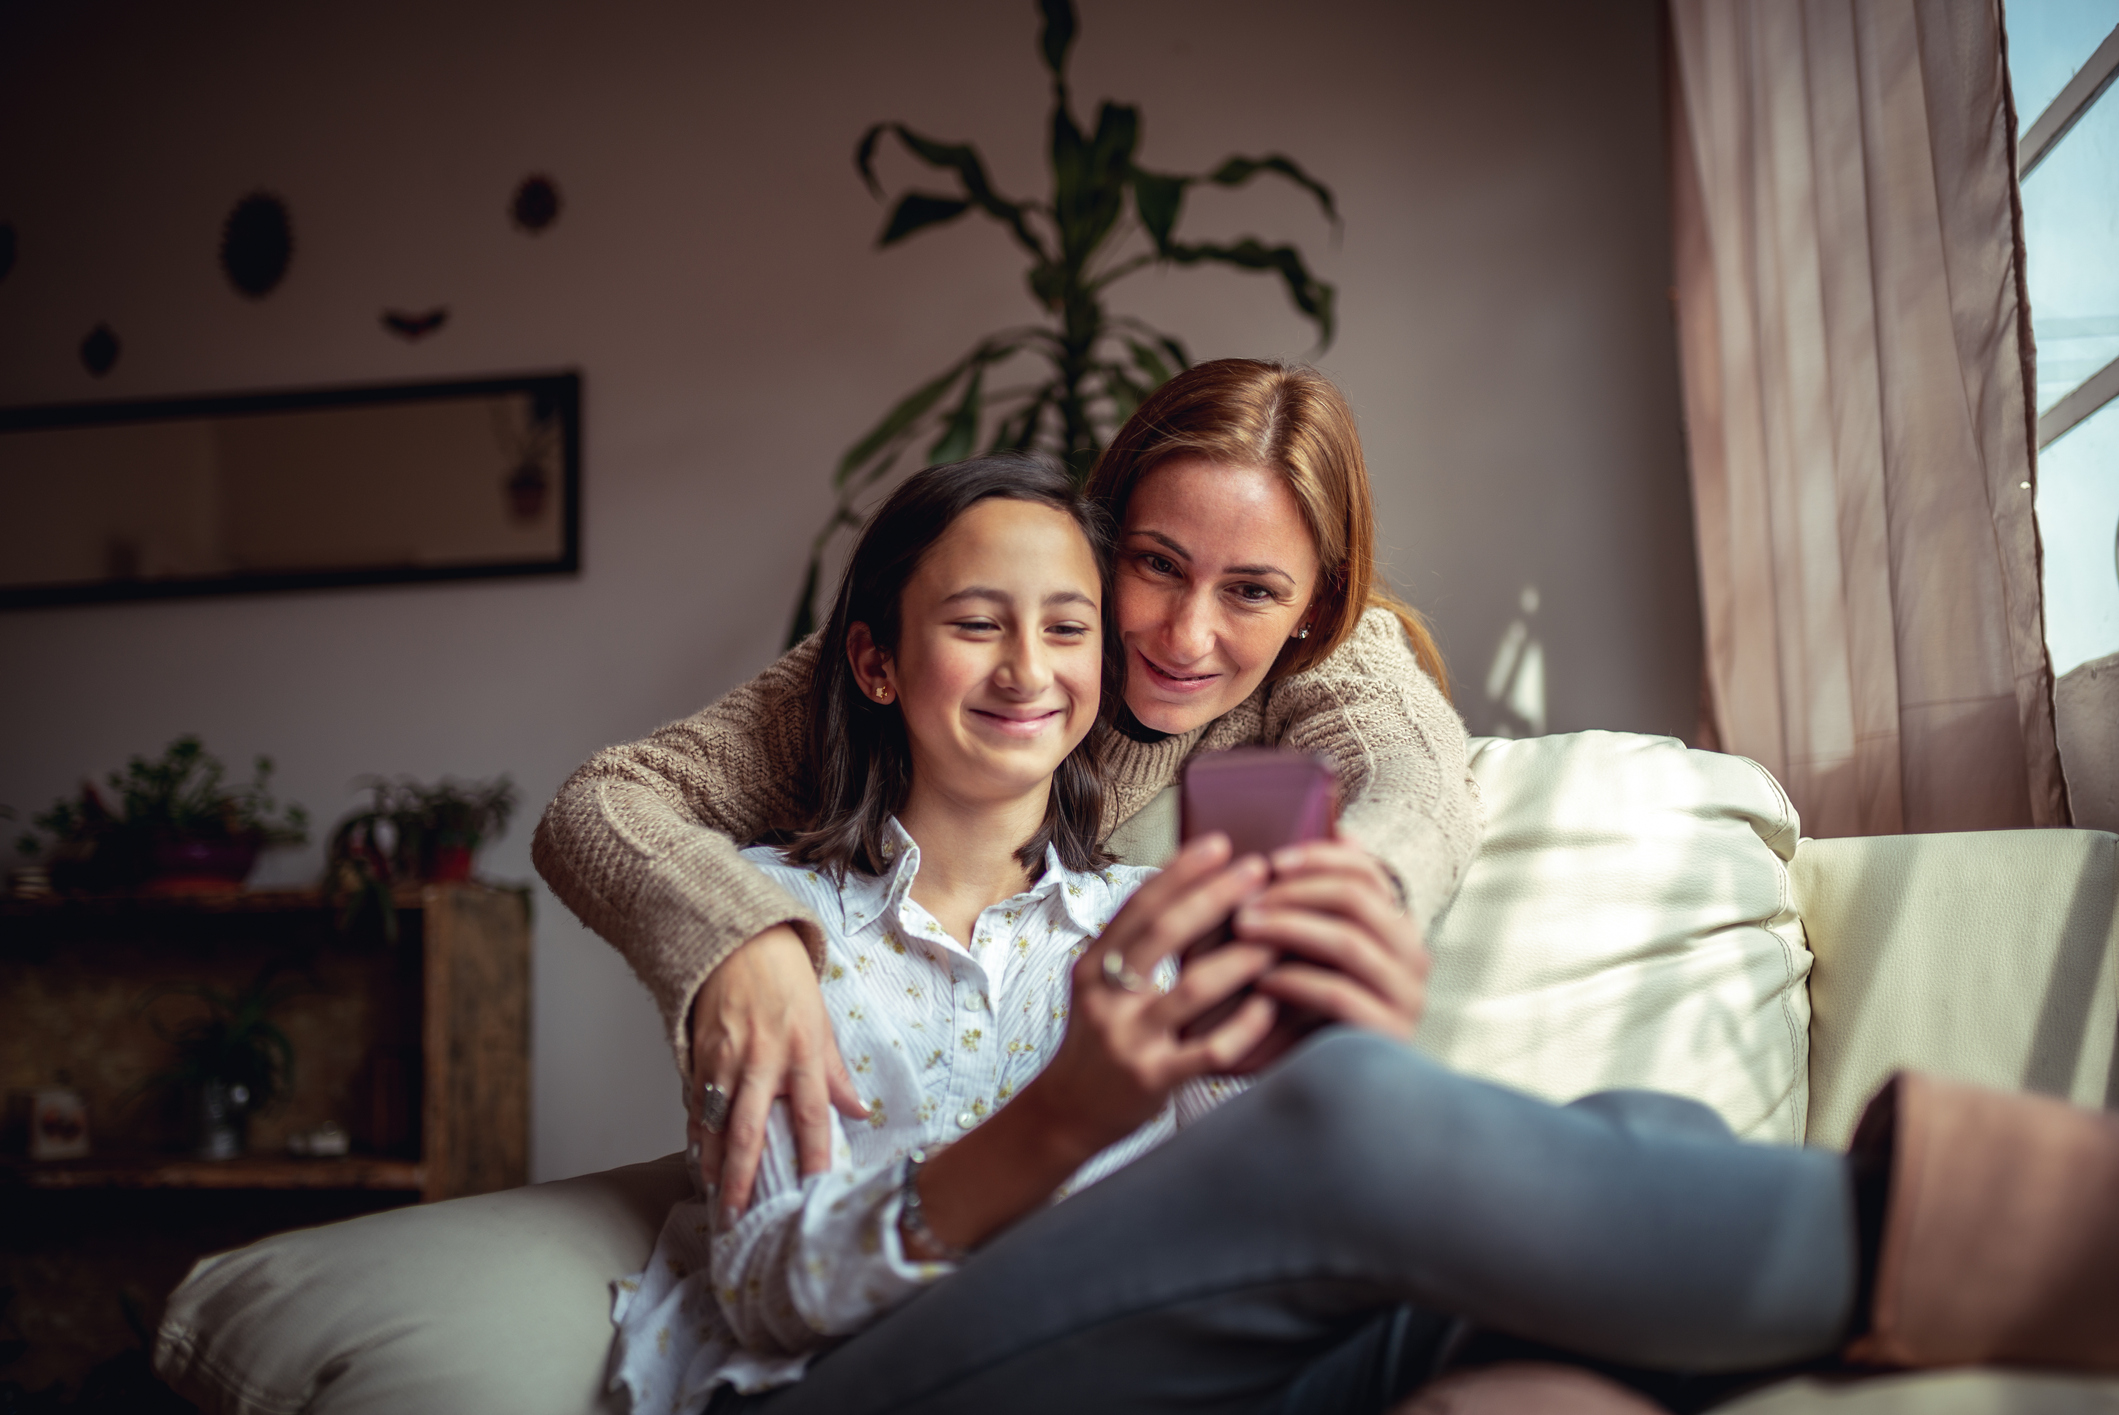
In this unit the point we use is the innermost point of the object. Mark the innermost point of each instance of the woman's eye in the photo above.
(1252, 594)
(1159, 564)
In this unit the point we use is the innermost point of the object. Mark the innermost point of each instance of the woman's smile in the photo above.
(1172, 680)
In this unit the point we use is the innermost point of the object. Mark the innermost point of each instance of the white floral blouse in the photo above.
(937, 1037)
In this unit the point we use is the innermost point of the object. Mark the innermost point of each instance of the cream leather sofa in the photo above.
(1639, 914)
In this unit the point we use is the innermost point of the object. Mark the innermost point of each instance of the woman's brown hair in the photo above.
(1247, 412)
(859, 757)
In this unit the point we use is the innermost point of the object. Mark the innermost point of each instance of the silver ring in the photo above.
(1116, 974)
(713, 1108)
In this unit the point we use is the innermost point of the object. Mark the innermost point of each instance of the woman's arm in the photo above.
(643, 843)
(1406, 790)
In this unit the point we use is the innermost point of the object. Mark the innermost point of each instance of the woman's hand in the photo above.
(760, 1031)
(1350, 954)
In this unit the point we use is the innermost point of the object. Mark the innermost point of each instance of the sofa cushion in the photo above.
(1628, 922)
(495, 1305)
(1986, 956)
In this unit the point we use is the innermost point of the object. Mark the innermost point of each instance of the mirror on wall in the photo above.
(275, 491)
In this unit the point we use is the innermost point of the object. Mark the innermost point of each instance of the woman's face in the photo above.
(1216, 571)
(999, 661)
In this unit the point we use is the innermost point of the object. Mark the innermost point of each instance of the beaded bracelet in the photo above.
(912, 1219)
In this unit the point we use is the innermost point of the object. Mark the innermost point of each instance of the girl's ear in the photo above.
(872, 669)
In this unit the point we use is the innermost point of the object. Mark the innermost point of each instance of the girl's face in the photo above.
(999, 661)
(1216, 571)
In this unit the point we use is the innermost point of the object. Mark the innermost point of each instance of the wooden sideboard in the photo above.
(419, 1048)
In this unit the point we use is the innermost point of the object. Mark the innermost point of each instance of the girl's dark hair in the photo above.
(860, 762)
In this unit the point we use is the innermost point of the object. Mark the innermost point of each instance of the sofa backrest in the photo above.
(1988, 956)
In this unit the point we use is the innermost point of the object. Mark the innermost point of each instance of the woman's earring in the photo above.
(1303, 632)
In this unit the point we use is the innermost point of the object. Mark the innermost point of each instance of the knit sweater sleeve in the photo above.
(642, 842)
(1406, 789)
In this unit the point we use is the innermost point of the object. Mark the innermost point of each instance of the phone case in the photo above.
(1261, 797)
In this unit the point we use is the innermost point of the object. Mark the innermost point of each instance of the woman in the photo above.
(1248, 612)
(1304, 1246)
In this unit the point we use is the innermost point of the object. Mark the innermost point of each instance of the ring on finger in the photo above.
(713, 1108)
(1115, 973)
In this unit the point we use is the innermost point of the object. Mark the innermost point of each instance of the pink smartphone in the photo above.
(1261, 797)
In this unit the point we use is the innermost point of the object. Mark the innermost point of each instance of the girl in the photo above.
(1018, 1036)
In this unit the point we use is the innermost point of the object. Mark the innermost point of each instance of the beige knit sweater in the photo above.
(642, 841)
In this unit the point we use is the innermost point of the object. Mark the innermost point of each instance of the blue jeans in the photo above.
(1312, 1244)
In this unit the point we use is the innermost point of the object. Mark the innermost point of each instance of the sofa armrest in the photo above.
(1989, 956)
(495, 1305)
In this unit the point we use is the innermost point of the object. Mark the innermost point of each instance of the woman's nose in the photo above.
(1189, 634)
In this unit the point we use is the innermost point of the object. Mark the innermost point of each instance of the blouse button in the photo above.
(966, 1120)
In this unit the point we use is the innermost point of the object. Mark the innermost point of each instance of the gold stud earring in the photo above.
(883, 695)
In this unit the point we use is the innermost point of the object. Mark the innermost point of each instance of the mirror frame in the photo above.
(564, 388)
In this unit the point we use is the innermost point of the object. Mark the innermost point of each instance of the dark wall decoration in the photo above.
(415, 326)
(7, 248)
(257, 242)
(457, 480)
(100, 350)
(536, 203)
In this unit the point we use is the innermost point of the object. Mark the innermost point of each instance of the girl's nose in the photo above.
(1025, 670)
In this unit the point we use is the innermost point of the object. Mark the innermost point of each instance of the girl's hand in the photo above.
(1350, 954)
(760, 1031)
(1124, 1051)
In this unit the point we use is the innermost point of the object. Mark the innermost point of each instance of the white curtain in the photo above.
(1855, 347)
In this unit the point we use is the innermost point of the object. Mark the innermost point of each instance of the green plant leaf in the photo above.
(1158, 199)
(1149, 363)
(962, 429)
(1311, 295)
(908, 411)
(1238, 170)
(964, 160)
(864, 159)
(917, 210)
(1057, 36)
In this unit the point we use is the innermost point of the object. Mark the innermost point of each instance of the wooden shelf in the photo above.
(248, 1172)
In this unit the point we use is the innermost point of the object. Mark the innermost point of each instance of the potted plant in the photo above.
(411, 834)
(233, 1060)
(179, 827)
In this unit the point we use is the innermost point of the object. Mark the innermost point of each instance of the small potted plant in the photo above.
(233, 1060)
(411, 834)
(178, 827)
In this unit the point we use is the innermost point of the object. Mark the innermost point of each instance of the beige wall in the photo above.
(1505, 342)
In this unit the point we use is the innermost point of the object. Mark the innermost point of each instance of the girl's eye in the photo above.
(1069, 631)
(977, 626)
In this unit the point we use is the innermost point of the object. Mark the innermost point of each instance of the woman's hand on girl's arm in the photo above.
(760, 1031)
(1350, 953)
(1123, 1054)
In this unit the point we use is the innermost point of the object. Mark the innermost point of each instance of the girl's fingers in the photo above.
(1192, 914)
(1338, 997)
(1339, 857)
(1328, 940)
(1207, 983)
(1217, 1052)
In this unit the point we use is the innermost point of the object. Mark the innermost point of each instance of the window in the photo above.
(2063, 55)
